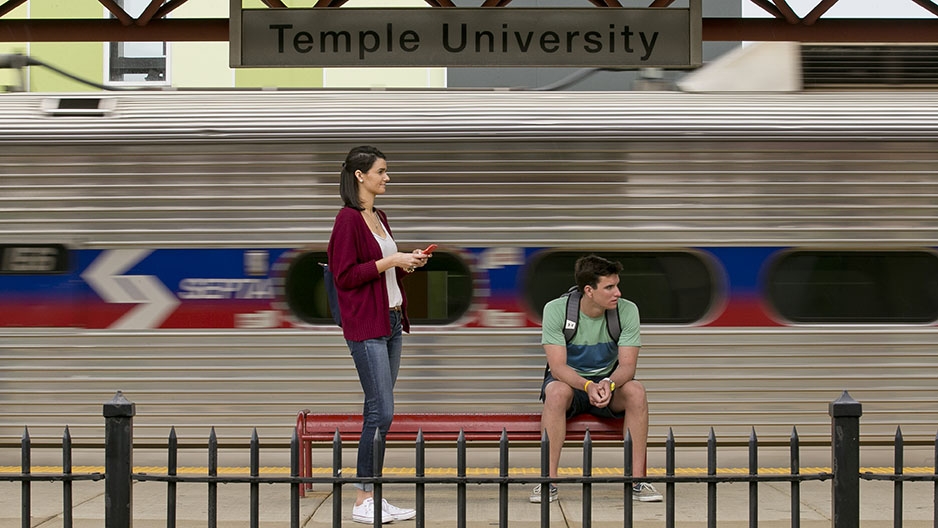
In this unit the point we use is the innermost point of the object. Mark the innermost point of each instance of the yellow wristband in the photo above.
(587, 384)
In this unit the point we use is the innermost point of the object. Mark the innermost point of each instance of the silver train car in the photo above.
(781, 249)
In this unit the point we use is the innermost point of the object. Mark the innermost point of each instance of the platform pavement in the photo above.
(774, 510)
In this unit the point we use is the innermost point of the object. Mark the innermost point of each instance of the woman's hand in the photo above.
(413, 260)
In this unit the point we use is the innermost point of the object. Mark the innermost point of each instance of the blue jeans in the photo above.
(378, 362)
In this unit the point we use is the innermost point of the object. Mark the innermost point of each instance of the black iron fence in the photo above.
(845, 476)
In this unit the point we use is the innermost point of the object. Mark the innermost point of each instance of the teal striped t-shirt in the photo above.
(591, 352)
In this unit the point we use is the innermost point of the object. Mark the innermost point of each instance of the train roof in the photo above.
(130, 116)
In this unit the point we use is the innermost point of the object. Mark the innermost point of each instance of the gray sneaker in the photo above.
(645, 492)
(536, 494)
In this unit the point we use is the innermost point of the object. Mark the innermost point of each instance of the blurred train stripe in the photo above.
(447, 471)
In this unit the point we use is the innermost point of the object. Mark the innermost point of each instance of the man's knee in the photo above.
(635, 389)
(558, 396)
(632, 396)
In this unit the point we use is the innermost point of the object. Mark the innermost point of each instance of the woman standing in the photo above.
(368, 269)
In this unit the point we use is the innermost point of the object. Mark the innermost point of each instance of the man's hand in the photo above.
(599, 393)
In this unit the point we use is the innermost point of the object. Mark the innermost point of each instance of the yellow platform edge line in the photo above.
(476, 471)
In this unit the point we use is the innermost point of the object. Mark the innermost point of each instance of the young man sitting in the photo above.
(592, 372)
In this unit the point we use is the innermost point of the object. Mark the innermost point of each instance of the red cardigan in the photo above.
(363, 293)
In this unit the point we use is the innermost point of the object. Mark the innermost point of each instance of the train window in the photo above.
(79, 106)
(136, 62)
(437, 294)
(33, 259)
(668, 287)
(855, 286)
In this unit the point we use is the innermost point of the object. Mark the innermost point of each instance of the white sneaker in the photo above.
(399, 514)
(365, 513)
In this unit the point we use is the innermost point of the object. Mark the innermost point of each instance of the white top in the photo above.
(388, 248)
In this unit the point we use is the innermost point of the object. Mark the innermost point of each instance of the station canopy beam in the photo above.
(155, 24)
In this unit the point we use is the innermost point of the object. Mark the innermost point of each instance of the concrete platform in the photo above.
(690, 508)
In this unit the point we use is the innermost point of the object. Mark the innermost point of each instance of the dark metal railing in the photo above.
(119, 477)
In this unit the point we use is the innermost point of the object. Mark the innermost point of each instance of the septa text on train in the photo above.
(461, 38)
(200, 288)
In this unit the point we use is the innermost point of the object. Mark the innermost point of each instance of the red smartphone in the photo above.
(430, 249)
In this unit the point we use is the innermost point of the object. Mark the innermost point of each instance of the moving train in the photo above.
(781, 249)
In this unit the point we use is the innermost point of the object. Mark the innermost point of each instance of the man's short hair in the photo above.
(588, 270)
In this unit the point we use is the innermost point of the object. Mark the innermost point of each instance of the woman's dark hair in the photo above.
(588, 270)
(358, 159)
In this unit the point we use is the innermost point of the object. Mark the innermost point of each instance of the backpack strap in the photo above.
(572, 319)
(332, 294)
(613, 325)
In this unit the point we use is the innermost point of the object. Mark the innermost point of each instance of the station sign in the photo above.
(626, 38)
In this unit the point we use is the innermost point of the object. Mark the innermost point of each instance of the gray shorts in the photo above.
(581, 401)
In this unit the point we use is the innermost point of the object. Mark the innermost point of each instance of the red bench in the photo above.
(439, 427)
